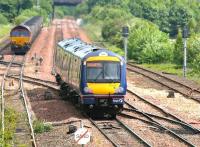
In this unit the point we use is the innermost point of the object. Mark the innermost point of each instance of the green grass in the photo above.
(40, 127)
(11, 117)
(94, 35)
(173, 69)
(4, 30)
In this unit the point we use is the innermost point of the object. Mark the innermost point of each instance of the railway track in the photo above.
(39, 82)
(13, 96)
(184, 89)
(118, 133)
(158, 117)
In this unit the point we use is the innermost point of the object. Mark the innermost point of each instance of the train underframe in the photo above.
(20, 50)
(95, 106)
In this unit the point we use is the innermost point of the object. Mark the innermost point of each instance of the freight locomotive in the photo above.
(23, 35)
(91, 76)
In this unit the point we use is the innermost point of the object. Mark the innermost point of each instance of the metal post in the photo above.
(185, 35)
(125, 33)
(185, 58)
(125, 48)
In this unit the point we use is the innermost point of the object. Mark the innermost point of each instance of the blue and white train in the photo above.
(91, 76)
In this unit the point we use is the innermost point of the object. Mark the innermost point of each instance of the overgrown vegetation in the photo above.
(155, 28)
(40, 127)
(16, 11)
(10, 126)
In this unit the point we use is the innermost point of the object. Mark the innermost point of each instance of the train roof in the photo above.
(77, 47)
(33, 20)
(23, 27)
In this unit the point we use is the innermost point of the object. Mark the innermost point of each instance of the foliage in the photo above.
(193, 49)
(3, 19)
(178, 49)
(40, 127)
(19, 10)
(193, 46)
(148, 45)
(168, 15)
(26, 14)
(114, 18)
(4, 30)
(11, 8)
(196, 64)
(10, 125)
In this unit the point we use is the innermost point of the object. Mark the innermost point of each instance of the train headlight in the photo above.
(88, 90)
(119, 90)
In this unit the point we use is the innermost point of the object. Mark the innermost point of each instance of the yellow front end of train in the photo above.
(103, 88)
(20, 41)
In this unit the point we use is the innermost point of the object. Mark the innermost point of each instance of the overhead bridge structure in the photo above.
(65, 3)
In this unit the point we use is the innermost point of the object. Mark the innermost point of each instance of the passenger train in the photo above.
(91, 76)
(23, 35)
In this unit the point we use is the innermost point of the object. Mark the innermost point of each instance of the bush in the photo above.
(193, 47)
(178, 49)
(26, 14)
(3, 19)
(40, 127)
(196, 64)
(149, 45)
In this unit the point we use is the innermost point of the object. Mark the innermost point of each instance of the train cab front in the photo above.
(104, 83)
(20, 37)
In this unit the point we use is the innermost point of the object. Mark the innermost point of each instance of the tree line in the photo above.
(155, 27)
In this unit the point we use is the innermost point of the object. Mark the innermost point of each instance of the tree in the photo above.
(178, 49)
(3, 19)
(148, 45)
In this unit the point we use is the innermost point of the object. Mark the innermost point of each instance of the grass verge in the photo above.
(11, 117)
(173, 69)
(4, 30)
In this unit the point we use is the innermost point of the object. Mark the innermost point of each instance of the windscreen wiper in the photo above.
(98, 75)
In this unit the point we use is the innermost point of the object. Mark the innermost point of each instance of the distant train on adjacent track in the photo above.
(91, 76)
(23, 35)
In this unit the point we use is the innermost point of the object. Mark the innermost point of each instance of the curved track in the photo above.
(13, 96)
(175, 127)
(188, 91)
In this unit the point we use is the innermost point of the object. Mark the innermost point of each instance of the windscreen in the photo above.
(103, 72)
(20, 33)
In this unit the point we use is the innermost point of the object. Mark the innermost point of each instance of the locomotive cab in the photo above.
(20, 37)
(105, 82)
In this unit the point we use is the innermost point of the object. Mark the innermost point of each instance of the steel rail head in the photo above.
(163, 111)
(169, 79)
(165, 118)
(25, 103)
(102, 131)
(165, 128)
(193, 89)
(133, 133)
